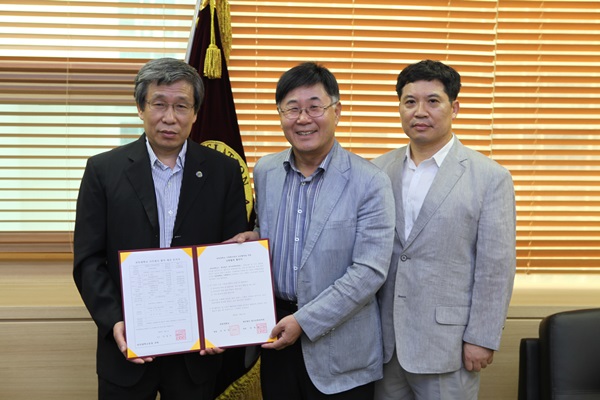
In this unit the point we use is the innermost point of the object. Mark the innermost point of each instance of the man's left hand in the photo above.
(287, 331)
(475, 358)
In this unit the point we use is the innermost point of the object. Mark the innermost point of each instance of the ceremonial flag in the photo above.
(217, 127)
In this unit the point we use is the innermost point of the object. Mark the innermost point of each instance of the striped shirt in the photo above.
(298, 200)
(167, 185)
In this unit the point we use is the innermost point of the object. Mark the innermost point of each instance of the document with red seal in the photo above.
(185, 299)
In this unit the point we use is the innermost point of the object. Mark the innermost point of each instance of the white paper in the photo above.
(159, 301)
(236, 289)
(161, 297)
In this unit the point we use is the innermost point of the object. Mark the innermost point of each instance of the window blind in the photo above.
(66, 93)
(530, 96)
(546, 128)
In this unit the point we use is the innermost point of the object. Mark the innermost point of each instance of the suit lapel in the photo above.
(449, 173)
(334, 182)
(192, 182)
(140, 177)
(275, 178)
(395, 170)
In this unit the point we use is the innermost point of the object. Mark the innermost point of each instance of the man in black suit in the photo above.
(162, 190)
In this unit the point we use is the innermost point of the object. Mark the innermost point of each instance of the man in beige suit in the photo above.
(450, 280)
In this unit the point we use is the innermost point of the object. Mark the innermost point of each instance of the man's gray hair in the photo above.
(166, 71)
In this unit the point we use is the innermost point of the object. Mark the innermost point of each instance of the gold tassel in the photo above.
(212, 61)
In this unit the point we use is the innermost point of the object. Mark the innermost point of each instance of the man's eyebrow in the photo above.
(311, 99)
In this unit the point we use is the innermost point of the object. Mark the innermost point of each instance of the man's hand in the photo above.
(287, 331)
(475, 358)
(211, 351)
(243, 237)
(119, 335)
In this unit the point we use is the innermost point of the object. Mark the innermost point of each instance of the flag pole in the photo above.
(195, 19)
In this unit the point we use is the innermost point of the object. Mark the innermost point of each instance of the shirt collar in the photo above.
(437, 157)
(288, 161)
(155, 161)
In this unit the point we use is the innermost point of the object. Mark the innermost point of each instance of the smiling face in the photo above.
(167, 131)
(427, 113)
(311, 137)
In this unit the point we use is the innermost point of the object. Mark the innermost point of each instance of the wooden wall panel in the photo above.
(47, 339)
(47, 360)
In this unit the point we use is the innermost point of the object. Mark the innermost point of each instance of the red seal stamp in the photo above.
(180, 334)
(261, 328)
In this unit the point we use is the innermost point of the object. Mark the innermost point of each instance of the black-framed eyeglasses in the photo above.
(312, 111)
(179, 108)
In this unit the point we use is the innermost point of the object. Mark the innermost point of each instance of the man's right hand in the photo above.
(119, 335)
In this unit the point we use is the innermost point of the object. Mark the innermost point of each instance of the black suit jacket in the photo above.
(116, 210)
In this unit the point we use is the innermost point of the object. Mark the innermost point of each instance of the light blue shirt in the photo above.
(167, 186)
(416, 182)
(298, 200)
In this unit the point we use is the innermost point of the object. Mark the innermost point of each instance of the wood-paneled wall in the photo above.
(47, 339)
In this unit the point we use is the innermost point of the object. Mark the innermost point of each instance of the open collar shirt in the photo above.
(416, 182)
(299, 197)
(167, 186)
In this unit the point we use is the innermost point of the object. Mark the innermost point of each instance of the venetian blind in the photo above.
(531, 88)
(66, 93)
(546, 128)
(530, 96)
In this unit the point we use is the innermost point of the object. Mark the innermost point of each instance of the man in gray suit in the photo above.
(329, 215)
(450, 280)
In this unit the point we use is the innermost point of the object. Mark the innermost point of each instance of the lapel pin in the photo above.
(199, 174)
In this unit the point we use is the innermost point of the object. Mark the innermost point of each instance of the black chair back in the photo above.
(564, 363)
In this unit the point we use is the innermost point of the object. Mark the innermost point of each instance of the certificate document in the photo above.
(187, 299)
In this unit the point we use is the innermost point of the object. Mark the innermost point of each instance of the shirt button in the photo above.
(299, 211)
(295, 268)
(296, 239)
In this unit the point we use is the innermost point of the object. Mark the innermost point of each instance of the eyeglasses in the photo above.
(311, 111)
(179, 108)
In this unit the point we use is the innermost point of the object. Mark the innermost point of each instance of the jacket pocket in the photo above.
(341, 224)
(456, 315)
(356, 344)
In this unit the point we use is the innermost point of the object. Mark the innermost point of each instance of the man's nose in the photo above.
(421, 108)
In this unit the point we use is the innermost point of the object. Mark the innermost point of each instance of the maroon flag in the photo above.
(216, 126)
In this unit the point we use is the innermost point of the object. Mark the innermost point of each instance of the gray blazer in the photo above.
(451, 280)
(344, 263)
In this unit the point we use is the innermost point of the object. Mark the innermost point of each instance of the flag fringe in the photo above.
(224, 17)
(246, 387)
(212, 60)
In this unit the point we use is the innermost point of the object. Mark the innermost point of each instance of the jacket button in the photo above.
(403, 257)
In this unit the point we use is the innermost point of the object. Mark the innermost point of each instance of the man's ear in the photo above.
(455, 108)
(338, 112)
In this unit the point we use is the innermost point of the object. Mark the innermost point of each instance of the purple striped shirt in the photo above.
(298, 200)
(167, 185)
